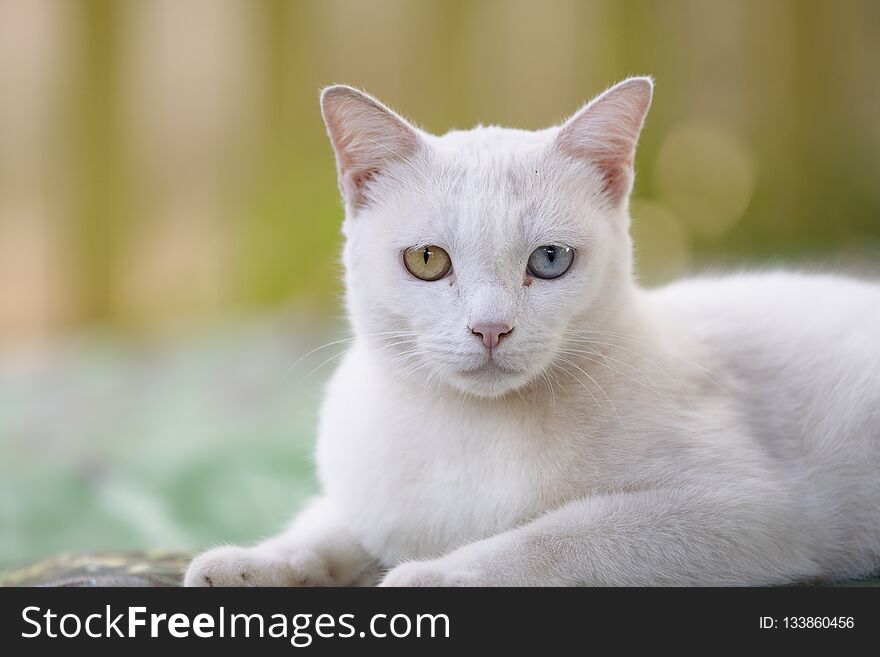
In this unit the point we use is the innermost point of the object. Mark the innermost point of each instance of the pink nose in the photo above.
(491, 333)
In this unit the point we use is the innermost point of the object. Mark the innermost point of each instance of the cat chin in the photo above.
(489, 383)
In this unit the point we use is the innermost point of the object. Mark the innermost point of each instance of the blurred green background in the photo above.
(169, 220)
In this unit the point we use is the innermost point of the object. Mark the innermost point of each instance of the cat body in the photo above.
(443, 471)
(497, 422)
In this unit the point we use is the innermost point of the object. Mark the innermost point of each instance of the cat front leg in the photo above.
(673, 537)
(317, 550)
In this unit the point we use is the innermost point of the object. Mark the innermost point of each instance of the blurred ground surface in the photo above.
(175, 444)
(157, 449)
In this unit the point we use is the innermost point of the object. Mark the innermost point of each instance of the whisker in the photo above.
(638, 339)
(584, 385)
(546, 378)
(379, 335)
(329, 360)
(427, 382)
(589, 356)
(651, 361)
(319, 348)
(602, 390)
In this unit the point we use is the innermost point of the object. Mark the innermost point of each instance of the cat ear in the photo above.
(366, 136)
(606, 130)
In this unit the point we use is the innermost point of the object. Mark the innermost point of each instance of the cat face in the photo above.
(470, 258)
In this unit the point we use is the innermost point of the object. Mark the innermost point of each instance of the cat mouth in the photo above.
(490, 379)
(490, 367)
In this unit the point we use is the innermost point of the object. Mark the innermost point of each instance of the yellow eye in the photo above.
(430, 263)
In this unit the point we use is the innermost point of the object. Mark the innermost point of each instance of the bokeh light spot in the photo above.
(706, 174)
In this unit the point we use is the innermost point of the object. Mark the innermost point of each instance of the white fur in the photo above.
(716, 431)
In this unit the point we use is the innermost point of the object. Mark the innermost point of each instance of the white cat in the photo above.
(515, 410)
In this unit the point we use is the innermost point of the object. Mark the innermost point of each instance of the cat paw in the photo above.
(429, 574)
(239, 566)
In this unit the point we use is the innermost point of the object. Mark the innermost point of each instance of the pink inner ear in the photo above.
(605, 132)
(366, 136)
(361, 178)
(608, 147)
(356, 181)
(614, 161)
(617, 177)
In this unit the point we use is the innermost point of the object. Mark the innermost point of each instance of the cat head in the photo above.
(472, 258)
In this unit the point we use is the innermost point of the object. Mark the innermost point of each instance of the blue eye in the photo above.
(550, 261)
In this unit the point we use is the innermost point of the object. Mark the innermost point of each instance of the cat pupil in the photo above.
(427, 255)
(551, 253)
